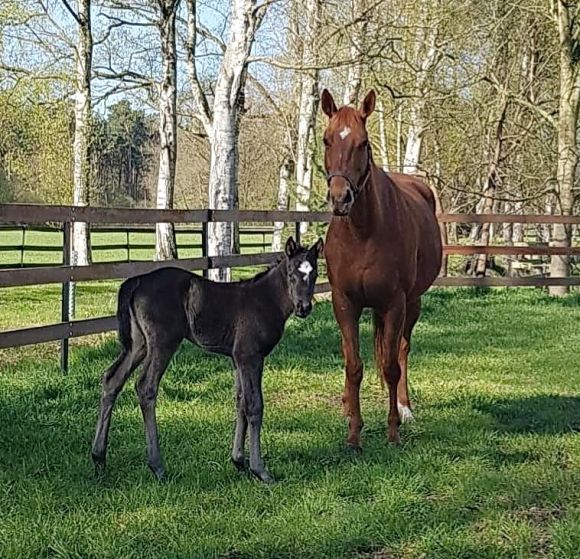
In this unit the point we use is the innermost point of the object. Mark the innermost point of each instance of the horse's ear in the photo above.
(290, 248)
(328, 104)
(368, 104)
(318, 247)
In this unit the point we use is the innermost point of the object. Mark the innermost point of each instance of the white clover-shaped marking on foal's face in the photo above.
(305, 269)
(344, 132)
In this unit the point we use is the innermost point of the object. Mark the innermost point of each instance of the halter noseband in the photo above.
(356, 189)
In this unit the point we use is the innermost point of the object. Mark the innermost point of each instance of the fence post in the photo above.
(297, 233)
(128, 247)
(67, 299)
(204, 247)
(23, 245)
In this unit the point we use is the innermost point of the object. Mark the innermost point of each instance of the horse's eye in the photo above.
(364, 144)
(325, 142)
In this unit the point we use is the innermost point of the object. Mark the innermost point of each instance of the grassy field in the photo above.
(490, 469)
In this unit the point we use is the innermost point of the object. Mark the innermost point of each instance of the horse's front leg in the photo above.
(394, 322)
(250, 370)
(347, 315)
(238, 457)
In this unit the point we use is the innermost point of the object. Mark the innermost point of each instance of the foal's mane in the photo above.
(270, 268)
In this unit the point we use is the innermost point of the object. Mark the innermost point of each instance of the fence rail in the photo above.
(108, 217)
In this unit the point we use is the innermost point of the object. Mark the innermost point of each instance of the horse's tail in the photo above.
(124, 300)
(379, 324)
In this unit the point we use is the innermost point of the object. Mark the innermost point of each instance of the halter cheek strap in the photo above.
(355, 188)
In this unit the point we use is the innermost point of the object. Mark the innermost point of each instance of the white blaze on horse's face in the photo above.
(344, 132)
(305, 268)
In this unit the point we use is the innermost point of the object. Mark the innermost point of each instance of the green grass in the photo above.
(49, 238)
(490, 469)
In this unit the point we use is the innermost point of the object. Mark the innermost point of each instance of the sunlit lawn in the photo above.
(491, 467)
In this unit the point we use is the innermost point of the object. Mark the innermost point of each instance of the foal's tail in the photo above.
(379, 324)
(124, 300)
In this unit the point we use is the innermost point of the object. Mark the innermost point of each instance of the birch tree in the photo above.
(308, 107)
(424, 57)
(221, 120)
(165, 246)
(83, 53)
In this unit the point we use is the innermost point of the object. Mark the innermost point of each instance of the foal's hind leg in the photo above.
(113, 381)
(403, 402)
(147, 386)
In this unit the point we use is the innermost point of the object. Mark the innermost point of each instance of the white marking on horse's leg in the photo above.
(344, 132)
(405, 413)
(305, 268)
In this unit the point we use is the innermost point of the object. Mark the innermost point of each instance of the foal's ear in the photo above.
(318, 247)
(290, 248)
(368, 104)
(328, 104)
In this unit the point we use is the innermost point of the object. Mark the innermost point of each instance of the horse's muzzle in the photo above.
(341, 206)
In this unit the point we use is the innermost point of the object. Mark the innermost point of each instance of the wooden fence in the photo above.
(66, 274)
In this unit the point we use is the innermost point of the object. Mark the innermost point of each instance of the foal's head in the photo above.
(347, 155)
(302, 265)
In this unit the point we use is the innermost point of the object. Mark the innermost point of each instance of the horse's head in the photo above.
(302, 265)
(347, 156)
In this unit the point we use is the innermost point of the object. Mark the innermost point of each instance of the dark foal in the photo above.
(243, 320)
(383, 251)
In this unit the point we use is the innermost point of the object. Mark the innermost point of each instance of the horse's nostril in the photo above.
(348, 196)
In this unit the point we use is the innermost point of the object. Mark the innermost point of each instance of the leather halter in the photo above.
(356, 189)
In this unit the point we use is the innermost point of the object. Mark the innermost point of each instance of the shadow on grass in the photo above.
(535, 414)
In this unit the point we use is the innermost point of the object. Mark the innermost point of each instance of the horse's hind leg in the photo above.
(403, 401)
(147, 387)
(113, 381)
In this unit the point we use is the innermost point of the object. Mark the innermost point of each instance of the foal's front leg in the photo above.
(250, 370)
(238, 457)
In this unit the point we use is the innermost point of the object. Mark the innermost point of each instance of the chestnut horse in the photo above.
(383, 251)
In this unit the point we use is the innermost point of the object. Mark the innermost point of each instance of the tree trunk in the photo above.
(357, 50)
(492, 183)
(383, 143)
(425, 60)
(286, 170)
(567, 124)
(165, 246)
(307, 110)
(224, 130)
(82, 152)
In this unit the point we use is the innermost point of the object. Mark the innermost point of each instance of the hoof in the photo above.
(241, 464)
(355, 448)
(158, 472)
(99, 462)
(405, 413)
(263, 476)
(394, 438)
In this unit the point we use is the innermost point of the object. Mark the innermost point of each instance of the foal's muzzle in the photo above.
(302, 310)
